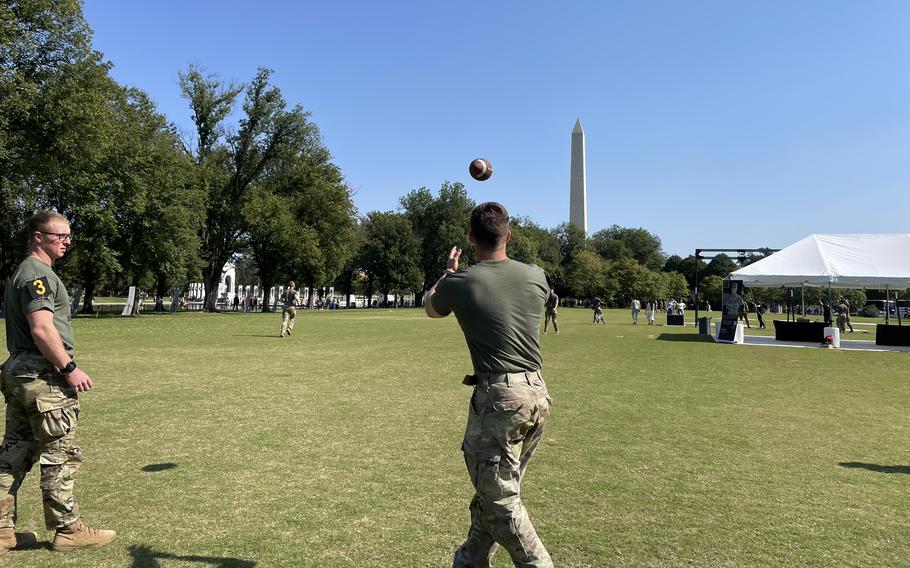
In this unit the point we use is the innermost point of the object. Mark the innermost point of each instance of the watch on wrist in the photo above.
(70, 367)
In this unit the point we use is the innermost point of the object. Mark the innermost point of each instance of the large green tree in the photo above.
(572, 241)
(440, 222)
(277, 240)
(617, 243)
(390, 253)
(316, 198)
(156, 213)
(721, 265)
(228, 166)
(55, 127)
(686, 267)
(532, 244)
(587, 276)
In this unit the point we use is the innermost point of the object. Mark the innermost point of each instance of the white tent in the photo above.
(839, 261)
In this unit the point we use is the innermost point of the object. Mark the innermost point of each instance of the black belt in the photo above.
(26, 352)
(497, 378)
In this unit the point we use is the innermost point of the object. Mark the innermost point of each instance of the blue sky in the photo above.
(710, 123)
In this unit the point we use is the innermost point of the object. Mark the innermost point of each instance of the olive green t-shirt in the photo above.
(498, 305)
(291, 298)
(34, 286)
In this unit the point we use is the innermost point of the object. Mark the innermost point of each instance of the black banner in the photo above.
(732, 303)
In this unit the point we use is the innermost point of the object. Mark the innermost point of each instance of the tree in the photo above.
(686, 267)
(633, 281)
(440, 222)
(572, 241)
(55, 126)
(610, 249)
(617, 243)
(711, 289)
(533, 244)
(586, 276)
(313, 192)
(326, 211)
(674, 285)
(227, 170)
(276, 238)
(390, 252)
(157, 221)
(721, 265)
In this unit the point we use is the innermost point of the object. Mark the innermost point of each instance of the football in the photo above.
(481, 169)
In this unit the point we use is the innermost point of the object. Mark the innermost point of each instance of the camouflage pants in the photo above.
(505, 425)
(42, 411)
(548, 317)
(287, 319)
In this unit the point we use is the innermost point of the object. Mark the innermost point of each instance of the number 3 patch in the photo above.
(38, 288)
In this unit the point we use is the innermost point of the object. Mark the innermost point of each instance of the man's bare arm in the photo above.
(428, 302)
(451, 266)
(47, 338)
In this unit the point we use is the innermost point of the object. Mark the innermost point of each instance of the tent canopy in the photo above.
(839, 261)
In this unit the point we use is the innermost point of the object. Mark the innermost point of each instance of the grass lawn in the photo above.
(210, 442)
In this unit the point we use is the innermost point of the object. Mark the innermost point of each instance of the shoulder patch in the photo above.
(38, 288)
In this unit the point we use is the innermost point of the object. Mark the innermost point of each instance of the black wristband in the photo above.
(70, 367)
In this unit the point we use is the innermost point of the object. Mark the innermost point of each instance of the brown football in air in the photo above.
(481, 169)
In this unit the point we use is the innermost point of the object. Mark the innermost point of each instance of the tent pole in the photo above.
(790, 313)
(696, 287)
(887, 307)
(802, 299)
(897, 306)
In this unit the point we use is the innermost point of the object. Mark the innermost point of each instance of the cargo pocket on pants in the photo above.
(59, 413)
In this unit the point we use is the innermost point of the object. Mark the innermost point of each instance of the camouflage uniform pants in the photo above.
(550, 316)
(287, 319)
(42, 411)
(505, 425)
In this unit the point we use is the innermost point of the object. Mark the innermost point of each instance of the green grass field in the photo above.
(210, 442)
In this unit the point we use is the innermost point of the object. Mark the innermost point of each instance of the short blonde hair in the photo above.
(40, 220)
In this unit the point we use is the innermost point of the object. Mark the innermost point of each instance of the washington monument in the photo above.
(578, 185)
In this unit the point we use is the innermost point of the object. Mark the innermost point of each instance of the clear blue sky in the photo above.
(710, 123)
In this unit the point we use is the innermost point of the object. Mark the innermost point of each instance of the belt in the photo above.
(25, 352)
(498, 378)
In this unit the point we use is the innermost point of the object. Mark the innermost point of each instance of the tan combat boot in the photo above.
(78, 536)
(11, 540)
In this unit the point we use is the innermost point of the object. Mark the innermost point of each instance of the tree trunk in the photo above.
(311, 301)
(266, 294)
(137, 305)
(370, 291)
(211, 276)
(88, 301)
(161, 289)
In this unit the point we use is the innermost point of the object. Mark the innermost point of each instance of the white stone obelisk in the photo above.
(578, 183)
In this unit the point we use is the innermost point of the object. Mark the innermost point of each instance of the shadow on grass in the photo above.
(159, 466)
(255, 335)
(145, 557)
(696, 337)
(877, 467)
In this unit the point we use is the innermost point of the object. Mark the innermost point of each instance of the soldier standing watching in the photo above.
(552, 306)
(40, 382)
(290, 299)
(497, 302)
